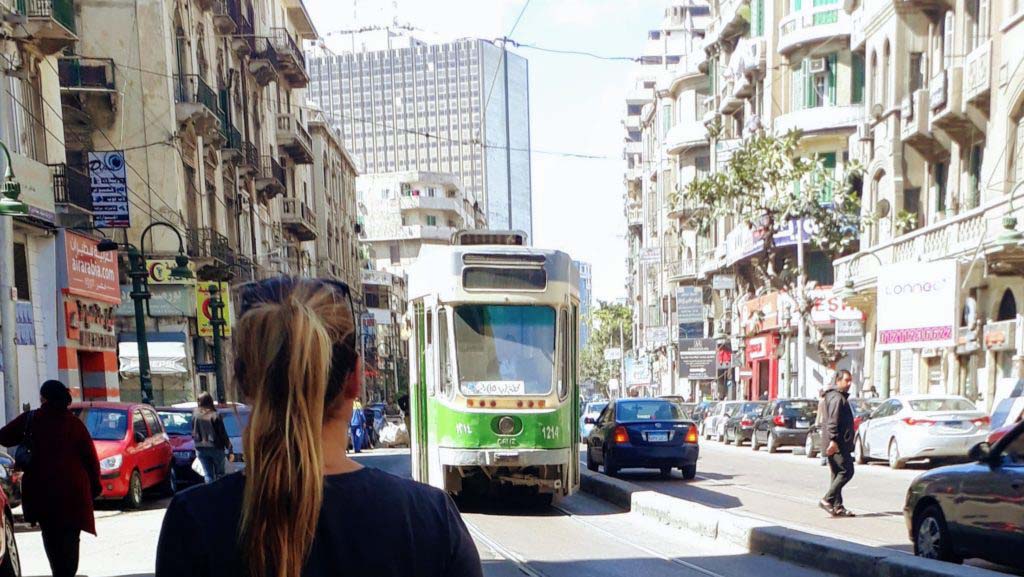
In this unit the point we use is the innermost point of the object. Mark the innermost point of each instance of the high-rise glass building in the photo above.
(460, 107)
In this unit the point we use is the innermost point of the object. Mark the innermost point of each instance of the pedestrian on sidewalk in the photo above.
(837, 440)
(301, 507)
(822, 409)
(62, 476)
(357, 427)
(211, 438)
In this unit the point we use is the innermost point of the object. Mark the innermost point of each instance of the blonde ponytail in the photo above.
(283, 369)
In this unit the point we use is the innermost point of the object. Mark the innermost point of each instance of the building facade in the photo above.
(460, 108)
(586, 301)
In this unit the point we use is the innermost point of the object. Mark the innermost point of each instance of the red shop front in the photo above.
(762, 366)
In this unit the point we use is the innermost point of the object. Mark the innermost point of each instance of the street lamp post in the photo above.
(139, 274)
(9, 206)
(217, 322)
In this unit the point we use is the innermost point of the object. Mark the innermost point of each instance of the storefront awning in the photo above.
(167, 354)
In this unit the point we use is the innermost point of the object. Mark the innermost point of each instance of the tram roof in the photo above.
(438, 268)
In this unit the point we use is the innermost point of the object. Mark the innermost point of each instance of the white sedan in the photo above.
(912, 427)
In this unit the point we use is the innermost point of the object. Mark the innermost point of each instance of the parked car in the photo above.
(713, 426)
(178, 424)
(700, 412)
(862, 409)
(10, 561)
(10, 480)
(591, 411)
(686, 406)
(643, 433)
(236, 417)
(1008, 412)
(974, 509)
(912, 427)
(134, 450)
(740, 426)
(783, 422)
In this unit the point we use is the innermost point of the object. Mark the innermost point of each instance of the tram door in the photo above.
(418, 396)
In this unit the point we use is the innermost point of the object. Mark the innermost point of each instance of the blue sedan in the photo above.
(643, 433)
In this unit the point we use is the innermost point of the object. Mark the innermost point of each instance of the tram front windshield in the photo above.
(505, 349)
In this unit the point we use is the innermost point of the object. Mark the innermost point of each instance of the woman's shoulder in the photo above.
(388, 489)
(216, 498)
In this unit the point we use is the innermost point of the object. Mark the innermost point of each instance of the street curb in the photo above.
(834, 556)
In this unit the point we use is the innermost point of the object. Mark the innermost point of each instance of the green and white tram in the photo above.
(493, 356)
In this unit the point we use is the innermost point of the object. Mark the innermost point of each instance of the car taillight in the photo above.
(918, 422)
(779, 421)
(746, 423)
(982, 422)
(691, 435)
(856, 422)
(621, 436)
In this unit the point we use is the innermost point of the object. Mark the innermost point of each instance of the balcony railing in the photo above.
(245, 271)
(206, 243)
(978, 76)
(250, 156)
(299, 218)
(192, 89)
(224, 16)
(48, 25)
(813, 24)
(78, 73)
(244, 41)
(71, 186)
(61, 11)
(271, 180)
(680, 269)
(293, 137)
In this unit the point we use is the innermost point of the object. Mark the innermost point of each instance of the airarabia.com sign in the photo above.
(917, 305)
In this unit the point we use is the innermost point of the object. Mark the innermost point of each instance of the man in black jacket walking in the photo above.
(837, 438)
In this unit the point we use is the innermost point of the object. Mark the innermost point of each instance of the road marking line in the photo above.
(506, 553)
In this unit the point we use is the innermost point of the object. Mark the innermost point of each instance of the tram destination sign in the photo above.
(495, 388)
(698, 359)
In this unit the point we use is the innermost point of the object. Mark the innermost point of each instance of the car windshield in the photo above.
(648, 411)
(177, 424)
(942, 404)
(505, 349)
(750, 408)
(595, 408)
(800, 409)
(104, 424)
(234, 423)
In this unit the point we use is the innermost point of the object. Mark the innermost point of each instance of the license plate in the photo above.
(657, 437)
(183, 454)
(959, 425)
(803, 424)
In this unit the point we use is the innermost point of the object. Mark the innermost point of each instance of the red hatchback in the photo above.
(134, 451)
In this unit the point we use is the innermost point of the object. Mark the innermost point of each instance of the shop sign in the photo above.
(698, 359)
(656, 336)
(761, 313)
(204, 312)
(828, 307)
(690, 311)
(376, 277)
(165, 301)
(849, 334)
(91, 274)
(967, 341)
(757, 348)
(91, 324)
(1001, 336)
(650, 255)
(917, 305)
(109, 186)
(744, 242)
(36, 186)
(160, 272)
(723, 282)
(640, 373)
(613, 354)
(381, 317)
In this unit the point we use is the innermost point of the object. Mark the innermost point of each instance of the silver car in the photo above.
(920, 427)
(590, 414)
(714, 423)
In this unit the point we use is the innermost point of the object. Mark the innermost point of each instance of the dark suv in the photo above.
(783, 422)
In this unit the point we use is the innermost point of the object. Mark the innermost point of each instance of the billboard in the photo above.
(698, 359)
(108, 183)
(204, 312)
(917, 305)
(690, 311)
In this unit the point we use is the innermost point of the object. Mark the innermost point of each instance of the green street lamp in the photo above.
(849, 291)
(139, 274)
(9, 203)
(9, 206)
(1010, 235)
(217, 322)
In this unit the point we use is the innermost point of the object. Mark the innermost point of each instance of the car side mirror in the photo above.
(980, 453)
(139, 437)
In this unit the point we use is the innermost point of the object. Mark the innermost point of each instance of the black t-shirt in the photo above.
(371, 523)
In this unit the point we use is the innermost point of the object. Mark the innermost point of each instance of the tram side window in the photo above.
(563, 381)
(446, 385)
(429, 340)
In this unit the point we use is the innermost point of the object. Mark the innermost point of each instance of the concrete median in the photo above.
(815, 551)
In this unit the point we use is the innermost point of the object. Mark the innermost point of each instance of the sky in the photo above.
(576, 104)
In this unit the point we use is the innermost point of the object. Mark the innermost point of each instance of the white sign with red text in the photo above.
(917, 305)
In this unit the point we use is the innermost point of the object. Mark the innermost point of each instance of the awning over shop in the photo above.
(167, 354)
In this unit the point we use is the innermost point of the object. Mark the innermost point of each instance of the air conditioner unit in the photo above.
(817, 66)
(864, 131)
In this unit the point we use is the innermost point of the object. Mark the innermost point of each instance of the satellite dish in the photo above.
(882, 209)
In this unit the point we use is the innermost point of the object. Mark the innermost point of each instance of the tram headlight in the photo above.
(506, 425)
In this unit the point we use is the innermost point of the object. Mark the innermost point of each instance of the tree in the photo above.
(765, 185)
(607, 320)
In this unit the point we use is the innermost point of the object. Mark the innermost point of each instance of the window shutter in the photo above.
(947, 41)
(1019, 151)
(857, 90)
(983, 19)
(833, 60)
(808, 84)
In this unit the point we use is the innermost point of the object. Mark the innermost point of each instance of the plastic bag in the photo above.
(394, 435)
(197, 466)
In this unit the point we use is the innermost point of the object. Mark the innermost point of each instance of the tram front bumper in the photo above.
(503, 457)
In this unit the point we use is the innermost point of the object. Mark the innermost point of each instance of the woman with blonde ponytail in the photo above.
(301, 507)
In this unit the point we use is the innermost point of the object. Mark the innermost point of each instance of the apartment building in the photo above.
(460, 108)
(942, 143)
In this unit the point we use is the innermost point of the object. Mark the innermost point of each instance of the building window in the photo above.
(396, 253)
(431, 220)
(939, 175)
(857, 92)
(21, 284)
(974, 193)
(757, 18)
(915, 76)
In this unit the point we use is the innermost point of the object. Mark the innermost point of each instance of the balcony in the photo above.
(730, 22)
(264, 62)
(820, 119)
(978, 77)
(88, 94)
(270, 180)
(245, 271)
(209, 247)
(298, 219)
(195, 105)
(291, 62)
(427, 232)
(243, 43)
(249, 158)
(72, 195)
(232, 149)
(916, 131)
(682, 270)
(684, 136)
(225, 13)
(682, 210)
(294, 139)
(946, 103)
(436, 203)
(635, 217)
(813, 25)
(49, 25)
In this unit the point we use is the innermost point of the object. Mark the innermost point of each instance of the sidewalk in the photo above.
(769, 537)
